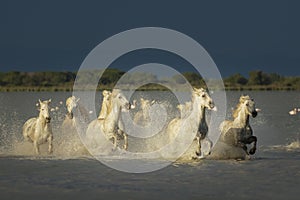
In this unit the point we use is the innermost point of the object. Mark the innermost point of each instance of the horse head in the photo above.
(119, 99)
(72, 103)
(106, 95)
(203, 96)
(145, 103)
(249, 105)
(44, 110)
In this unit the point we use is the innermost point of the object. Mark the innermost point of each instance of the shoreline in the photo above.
(70, 89)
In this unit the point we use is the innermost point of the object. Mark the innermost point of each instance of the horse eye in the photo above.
(247, 104)
(203, 95)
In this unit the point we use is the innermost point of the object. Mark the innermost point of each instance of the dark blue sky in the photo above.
(239, 35)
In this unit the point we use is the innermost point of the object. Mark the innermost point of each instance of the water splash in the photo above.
(295, 145)
(12, 143)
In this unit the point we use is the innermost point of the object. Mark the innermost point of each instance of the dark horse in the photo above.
(239, 132)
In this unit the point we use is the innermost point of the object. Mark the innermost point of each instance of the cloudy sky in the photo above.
(240, 36)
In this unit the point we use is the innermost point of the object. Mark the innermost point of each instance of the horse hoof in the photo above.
(198, 153)
(194, 158)
(252, 151)
(125, 147)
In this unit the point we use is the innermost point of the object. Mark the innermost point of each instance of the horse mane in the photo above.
(239, 105)
(106, 102)
(197, 91)
(68, 101)
(80, 107)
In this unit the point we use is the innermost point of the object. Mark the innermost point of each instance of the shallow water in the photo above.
(274, 171)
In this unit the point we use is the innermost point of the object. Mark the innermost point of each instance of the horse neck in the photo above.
(41, 120)
(242, 119)
(103, 111)
(146, 111)
(203, 118)
(113, 114)
(196, 115)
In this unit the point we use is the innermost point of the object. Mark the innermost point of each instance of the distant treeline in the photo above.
(56, 81)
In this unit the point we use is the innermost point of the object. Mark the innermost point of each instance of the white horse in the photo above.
(239, 132)
(74, 124)
(76, 113)
(38, 130)
(142, 117)
(106, 103)
(195, 120)
(110, 124)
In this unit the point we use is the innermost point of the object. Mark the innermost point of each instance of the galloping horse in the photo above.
(106, 103)
(142, 117)
(76, 115)
(195, 120)
(109, 125)
(38, 130)
(74, 126)
(239, 132)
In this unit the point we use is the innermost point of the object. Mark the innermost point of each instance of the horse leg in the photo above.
(243, 146)
(124, 135)
(198, 151)
(210, 144)
(240, 142)
(50, 147)
(115, 141)
(250, 140)
(36, 147)
(125, 141)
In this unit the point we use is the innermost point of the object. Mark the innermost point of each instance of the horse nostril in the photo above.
(254, 113)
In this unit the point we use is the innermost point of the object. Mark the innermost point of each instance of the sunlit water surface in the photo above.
(274, 171)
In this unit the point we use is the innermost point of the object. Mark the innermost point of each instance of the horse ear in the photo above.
(77, 100)
(49, 101)
(38, 105)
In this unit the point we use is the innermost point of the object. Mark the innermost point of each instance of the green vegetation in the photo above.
(63, 81)
(259, 80)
